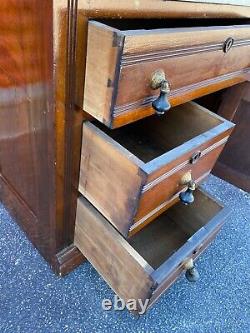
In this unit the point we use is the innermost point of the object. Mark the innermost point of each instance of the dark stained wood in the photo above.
(230, 100)
(68, 259)
(132, 173)
(234, 162)
(33, 132)
(27, 138)
(68, 123)
(147, 264)
(118, 79)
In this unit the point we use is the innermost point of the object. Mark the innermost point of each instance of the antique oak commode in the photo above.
(102, 146)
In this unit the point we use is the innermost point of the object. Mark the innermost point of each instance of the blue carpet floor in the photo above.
(33, 300)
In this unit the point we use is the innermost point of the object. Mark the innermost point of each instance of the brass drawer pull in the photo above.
(192, 273)
(161, 104)
(187, 197)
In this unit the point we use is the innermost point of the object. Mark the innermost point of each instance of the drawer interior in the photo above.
(154, 136)
(145, 24)
(145, 265)
(160, 239)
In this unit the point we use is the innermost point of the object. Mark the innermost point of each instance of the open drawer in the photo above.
(121, 68)
(134, 173)
(144, 266)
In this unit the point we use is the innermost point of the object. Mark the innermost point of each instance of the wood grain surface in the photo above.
(222, 2)
(27, 145)
(124, 87)
(119, 264)
(109, 178)
(160, 9)
(234, 163)
(132, 173)
(147, 264)
(43, 53)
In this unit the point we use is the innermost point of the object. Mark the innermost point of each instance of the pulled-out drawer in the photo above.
(134, 173)
(144, 266)
(123, 66)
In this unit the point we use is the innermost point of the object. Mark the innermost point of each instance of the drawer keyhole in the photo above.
(228, 44)
(194, 158)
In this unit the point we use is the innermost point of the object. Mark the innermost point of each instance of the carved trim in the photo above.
(118, 110)
(68, 224)
(132, 59)
(181, 166)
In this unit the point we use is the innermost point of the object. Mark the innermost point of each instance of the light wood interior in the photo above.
(154, 136)
(160, 239)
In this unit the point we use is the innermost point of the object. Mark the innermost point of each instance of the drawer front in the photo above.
(128, 183)
(133, 268)
(175, 273)
(161, 190)
(118, 77)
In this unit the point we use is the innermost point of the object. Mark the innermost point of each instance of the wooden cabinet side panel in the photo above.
(27, 117)
(119, 264)
(109, 179)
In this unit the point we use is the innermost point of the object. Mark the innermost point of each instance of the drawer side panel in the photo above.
(126, 272)
(102, 69)
(109, 178)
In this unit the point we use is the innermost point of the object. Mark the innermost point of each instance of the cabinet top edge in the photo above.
(161, 9)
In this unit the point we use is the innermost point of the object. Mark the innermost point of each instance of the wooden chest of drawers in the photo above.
(136, 174)
(44, 46)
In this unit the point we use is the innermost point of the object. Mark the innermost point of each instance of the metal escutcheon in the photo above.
(228, 44)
